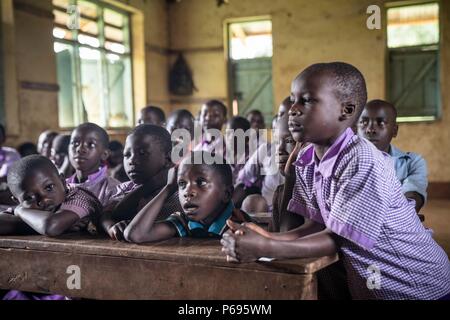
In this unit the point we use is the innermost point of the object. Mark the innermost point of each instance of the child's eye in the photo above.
(126, 155)
(181, 184)
(75, 143)
(50, 187)
(306, 100)
(92, 145)
(363, 122)
(201, 182)
(142, 152)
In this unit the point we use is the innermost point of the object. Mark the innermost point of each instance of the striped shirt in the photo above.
(387, 252)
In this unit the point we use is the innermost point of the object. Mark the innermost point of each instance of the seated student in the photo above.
(114, 162)
(88, 152)
(378, 124)
(47, 206)
(257, 122)
(257, 175)
(237, 158)
(8, 156)
(181, 119)
(45, 141)
(59, 154)
(282, 219)
(27, 149)
(147, 162)
(152, 115)
(205, 195)
(349, 193)
(213, 116)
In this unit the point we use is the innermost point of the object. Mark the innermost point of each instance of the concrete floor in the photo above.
(437, 217)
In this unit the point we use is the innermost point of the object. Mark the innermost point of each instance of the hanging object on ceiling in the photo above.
(181, 81)
(222, 2)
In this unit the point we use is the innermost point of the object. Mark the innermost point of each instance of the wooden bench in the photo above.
(173, 269)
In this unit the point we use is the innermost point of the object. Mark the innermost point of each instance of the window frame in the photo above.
(425, 47)
(76, 60)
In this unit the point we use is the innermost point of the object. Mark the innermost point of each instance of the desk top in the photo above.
(181, 250)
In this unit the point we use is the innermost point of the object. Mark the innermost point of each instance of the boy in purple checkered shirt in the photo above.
(88, 151)
(47, 205)
(351, 197)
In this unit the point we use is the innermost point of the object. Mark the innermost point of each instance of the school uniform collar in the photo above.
(326, 165)
(92, 178)
(397, 153)
(219, 225)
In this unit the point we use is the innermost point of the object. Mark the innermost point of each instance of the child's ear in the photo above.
(105, 155)
(169, 164)
(228, 194)
(348, 110)
(395, 131)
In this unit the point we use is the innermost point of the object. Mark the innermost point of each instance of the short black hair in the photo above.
(157, 111)
(104, 137)
(63, 143)
(382, 103)
(182, 113)
(159, 134)
(350, 85)
(255, 112)
(115, 145)
(239, 123)
(27, 149)
(222, 168)
(220, 104)
(26, 167)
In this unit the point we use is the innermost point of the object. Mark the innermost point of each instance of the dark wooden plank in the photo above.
(106, 277)
(191, 251)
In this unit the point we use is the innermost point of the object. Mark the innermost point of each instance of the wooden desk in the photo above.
(173, 269)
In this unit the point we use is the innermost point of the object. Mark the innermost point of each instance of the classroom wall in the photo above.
(35, 65)
(306, 32)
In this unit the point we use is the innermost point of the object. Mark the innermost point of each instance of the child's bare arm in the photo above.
(309, 227)
(143, 227)
(418, 198)
(246, 245)
(47, 223)
(12, 225)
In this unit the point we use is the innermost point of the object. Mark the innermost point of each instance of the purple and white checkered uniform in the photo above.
(81, 202)
(354, 192)
(256, 173)
(99, 183)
